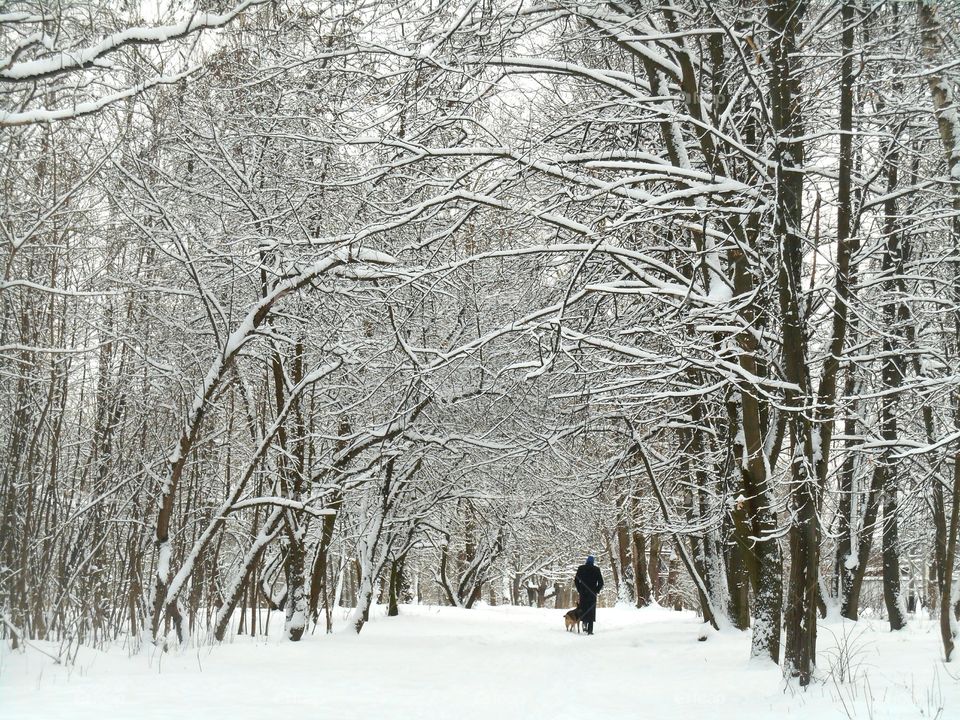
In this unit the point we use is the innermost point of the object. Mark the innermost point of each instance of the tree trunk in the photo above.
(892, 373)
(948, 124)
(653, 568)
(626, 588)
(800, 620)
(396, 585)
(319, 572)
(707, 556)
(844, 569)
(949, 630)
(640, 568)
(235, 589)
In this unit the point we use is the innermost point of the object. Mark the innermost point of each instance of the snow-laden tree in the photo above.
(478, 287)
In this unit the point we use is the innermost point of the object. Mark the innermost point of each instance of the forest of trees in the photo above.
(310, 304)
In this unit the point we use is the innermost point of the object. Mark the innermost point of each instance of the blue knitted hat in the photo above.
(589, 559)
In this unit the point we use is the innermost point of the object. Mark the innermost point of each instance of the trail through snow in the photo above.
(489, 662)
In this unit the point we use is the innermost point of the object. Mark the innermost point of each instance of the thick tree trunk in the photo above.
(396, 585)
(640, 568)
(296, 605)
(891, 557)
(738, 588)
(754, 521)
(626, 590)
(653, 567)
(673, 597)
(736, 549)
(614, 566)
(800, 620)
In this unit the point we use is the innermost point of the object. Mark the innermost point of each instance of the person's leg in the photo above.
(589, 628)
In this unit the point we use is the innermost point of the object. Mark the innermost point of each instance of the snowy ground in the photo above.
(491, 662)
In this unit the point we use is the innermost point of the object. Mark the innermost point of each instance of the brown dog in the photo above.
(571, 620)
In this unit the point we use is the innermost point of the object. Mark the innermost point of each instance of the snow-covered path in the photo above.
(488, 662)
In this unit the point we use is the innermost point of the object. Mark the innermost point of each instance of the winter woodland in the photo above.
(309, 308)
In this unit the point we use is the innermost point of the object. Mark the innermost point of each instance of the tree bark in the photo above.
(800, 619)
(948, 124)
(396, 585)
(892, 374)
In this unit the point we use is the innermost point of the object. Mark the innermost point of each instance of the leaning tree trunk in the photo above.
(238, 584)
(706, 606)
(212, 383)
(372, 554)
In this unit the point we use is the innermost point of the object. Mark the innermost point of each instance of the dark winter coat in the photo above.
(589, 583)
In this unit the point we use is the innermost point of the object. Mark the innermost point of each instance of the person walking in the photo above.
(589, 583)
